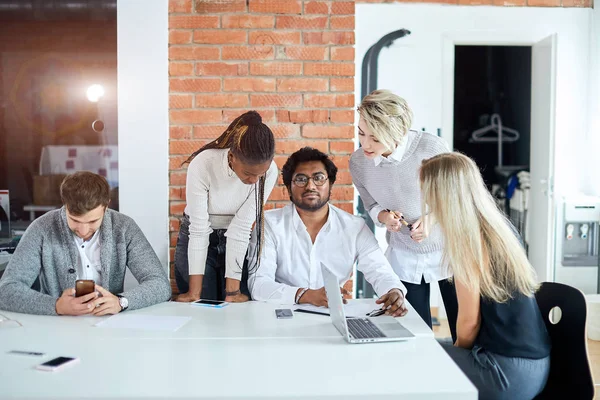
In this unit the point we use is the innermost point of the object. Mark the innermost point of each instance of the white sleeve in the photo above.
(374, 213)
(238, 232)
(197, 206)
(261, 283)
(373, 264)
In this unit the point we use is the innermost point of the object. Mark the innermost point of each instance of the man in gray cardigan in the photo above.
(82, 240)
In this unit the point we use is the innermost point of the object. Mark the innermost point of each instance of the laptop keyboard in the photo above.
(362, 328)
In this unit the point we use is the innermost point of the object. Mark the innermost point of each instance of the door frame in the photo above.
(491, 38)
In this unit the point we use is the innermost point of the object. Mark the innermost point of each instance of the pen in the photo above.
(27, 353)
(401, 217)
(310, 312)
(376, 313)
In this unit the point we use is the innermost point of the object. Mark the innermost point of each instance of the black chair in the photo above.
(570, 374)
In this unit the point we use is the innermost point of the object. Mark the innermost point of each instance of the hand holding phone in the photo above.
(56, 364)
(67, 304)
(210, 303)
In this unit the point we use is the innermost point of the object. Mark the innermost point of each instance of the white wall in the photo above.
(143, 118)
(412, 67)
(593, 183)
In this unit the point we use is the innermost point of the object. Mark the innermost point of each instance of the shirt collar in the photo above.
(80, 241)
(396, 155)
(226, 166)
(297, 221)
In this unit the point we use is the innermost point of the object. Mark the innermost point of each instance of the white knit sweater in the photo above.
(395, 185)
(217, 199)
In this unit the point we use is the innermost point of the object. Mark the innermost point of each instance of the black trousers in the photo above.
(418, 297)
(213, 284)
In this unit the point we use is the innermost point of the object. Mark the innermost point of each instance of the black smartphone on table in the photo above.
(57, 364)
(284, 313)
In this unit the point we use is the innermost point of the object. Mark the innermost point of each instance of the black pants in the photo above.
(213, 283)
(418, 297)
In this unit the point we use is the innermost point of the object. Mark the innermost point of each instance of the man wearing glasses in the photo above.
(310, 231)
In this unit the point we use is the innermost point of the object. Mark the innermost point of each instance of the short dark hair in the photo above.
(307, 154)
(83, 191)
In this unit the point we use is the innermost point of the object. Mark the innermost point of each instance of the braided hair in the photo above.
(251, 142)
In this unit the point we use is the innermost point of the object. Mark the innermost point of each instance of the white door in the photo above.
(541, 204)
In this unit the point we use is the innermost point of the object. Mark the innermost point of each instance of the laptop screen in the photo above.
(334, 299)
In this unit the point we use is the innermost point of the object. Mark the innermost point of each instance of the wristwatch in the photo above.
(123, 302)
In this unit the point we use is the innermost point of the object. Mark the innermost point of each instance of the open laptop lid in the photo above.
(334, 299)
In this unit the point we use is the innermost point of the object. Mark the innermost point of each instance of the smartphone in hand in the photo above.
(57, 364)
(84, 286)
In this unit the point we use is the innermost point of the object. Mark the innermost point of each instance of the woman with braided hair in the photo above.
(228, 181)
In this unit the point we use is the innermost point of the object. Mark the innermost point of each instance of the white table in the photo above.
(251, 320)
(240, 351)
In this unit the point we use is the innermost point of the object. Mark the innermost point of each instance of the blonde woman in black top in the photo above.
(502, 344)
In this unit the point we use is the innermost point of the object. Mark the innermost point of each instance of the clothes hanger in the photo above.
(507, 134)
(504, 135)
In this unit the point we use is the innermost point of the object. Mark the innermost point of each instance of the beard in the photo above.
(312, 205)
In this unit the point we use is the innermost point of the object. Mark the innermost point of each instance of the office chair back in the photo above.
(570, 374)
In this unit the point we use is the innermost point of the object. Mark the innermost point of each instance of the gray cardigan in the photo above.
(47, 250)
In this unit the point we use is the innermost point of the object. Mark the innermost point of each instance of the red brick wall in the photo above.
(291, 60)
(518, 3)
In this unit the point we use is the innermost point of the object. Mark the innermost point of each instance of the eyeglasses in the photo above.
(318, 179)
(6, 322)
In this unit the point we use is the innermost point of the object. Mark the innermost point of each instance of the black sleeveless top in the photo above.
(514, 328)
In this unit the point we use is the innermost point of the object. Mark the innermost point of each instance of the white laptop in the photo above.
(360, 330)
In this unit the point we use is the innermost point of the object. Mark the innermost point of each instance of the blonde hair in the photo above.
(480, 244)
(388, 117)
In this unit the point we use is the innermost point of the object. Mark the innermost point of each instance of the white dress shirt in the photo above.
(289, 259)
(88, 251)
(411, 267)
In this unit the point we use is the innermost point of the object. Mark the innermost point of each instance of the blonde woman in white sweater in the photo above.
(228, 181)
(385, 170)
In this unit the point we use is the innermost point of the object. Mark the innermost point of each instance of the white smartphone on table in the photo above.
(58, 363)
(210, 303)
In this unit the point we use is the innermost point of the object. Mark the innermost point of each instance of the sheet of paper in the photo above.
(144, 322)
(352, 309)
